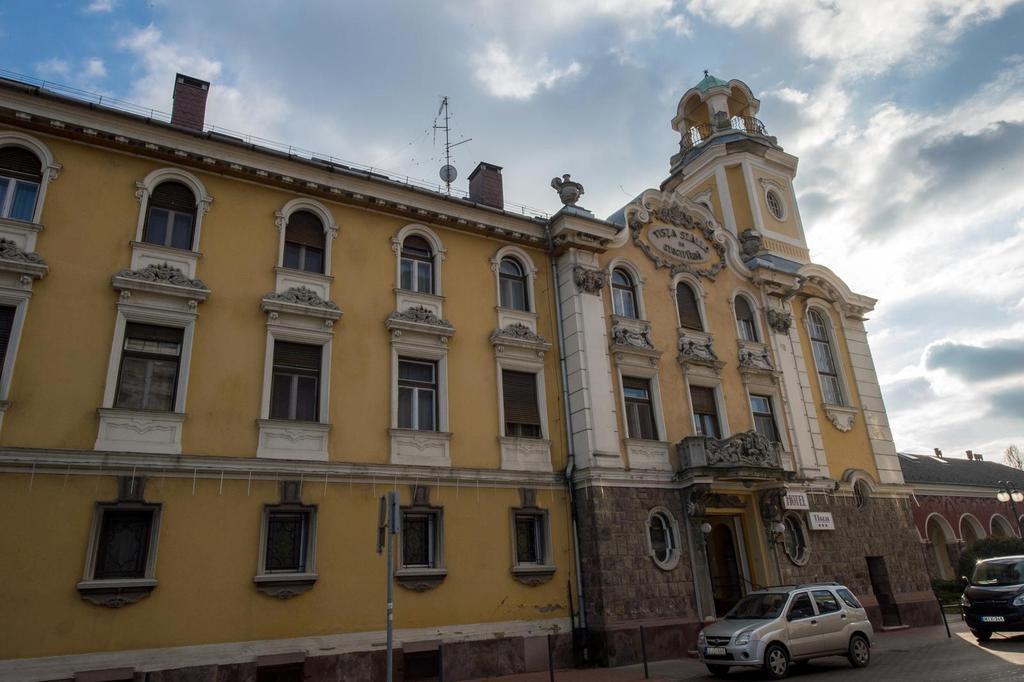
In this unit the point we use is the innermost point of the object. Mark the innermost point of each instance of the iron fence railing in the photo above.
(699, 134)
(254, 141)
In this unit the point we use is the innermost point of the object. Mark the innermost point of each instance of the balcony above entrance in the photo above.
(746, 455)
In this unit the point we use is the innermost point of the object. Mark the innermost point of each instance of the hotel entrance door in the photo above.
(726, 563)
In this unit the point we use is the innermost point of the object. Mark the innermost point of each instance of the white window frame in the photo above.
(310, 549)
(436, 246)
(149, 579)
(144, 189)
(1007, 526)
(18, 299)
(416, 393)
(425, 354)
(527, 367)
(529, 269)
(830, 330)
(755, 310)
(716, 386)
(435, 538)
(304, 336)
(638, 287)
(281, 217)
(673, 528)
(772, 397)
(540, 517)
(973, 521)
(802, 559)
(699, 294)
(50, 168)
(651, 376)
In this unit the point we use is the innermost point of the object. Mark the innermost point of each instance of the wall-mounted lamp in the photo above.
(776, 532)
(705, 531)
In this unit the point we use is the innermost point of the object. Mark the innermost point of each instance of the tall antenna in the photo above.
(448, 172)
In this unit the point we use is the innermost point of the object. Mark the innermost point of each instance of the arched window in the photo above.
(686, 304)
(170, 216)
(824, 359)
(862, 494)
(512, 285)
(794, 539)
(745, 320)
(304, 242)
(21, 173)
(623, 294)
(661, 537)
(417, 265)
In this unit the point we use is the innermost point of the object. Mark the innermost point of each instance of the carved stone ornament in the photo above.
(751, 359)
(10, 250)
(533, 576)
(519, 332)
(114, 596)
(699, 351)
(751, 244)
(162, 273)
(780, 321)
(746, 449)
(569, 191)
(302, 296)
(420, 579)
(637, 338)
(283, 586)
(682, 242)
(420, 315)
(840, 417)
(588, 280)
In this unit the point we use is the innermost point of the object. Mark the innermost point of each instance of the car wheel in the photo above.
(718, 670)
(776, 661)
(860, 651)
(982, 635)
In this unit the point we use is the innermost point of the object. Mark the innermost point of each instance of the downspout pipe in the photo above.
(570, 450)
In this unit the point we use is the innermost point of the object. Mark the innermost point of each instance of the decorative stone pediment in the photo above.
(754, 357)
(520, 335)
(746, 450)
(419, 319)
(779, 320)
(161, 278)
(12, 257)
(677, 237)
(301, 300)
(588, 280)
(841, 417)
(631, 337)
(697, 348)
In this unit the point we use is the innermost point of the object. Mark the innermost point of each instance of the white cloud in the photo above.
(859, 37)
(508, 77)
(53, 68)
(100, 6)
(94, 68)
(679, 25)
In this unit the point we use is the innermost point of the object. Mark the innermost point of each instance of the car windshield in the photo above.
(999, 572)
(766, 605)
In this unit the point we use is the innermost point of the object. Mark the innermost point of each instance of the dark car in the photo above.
(994, 598)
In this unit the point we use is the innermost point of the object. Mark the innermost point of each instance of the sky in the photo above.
(907, 117)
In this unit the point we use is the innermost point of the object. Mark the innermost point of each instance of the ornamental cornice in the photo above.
(301, 300)
(160, 278)
(518, 334)
(419, 319)
(13, 258)
(626, 338)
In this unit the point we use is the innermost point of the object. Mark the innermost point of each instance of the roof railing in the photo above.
(701, 133)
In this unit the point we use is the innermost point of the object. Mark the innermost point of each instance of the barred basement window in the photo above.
(150, 358)
(295, 391)
(304, 242)
(171, 216)
(21, 173)
(530, 538)
(289, 540)
(122, 550)
(519, 401)
(639, 409)
(420, 539)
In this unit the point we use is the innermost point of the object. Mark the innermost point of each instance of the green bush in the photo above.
(948, 591)
(987, 548)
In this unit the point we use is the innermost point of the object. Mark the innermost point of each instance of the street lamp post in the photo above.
(1008, 492)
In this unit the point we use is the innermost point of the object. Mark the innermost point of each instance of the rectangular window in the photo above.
(639, 410)
(288, 539)
(169, 228)
(295, 387)
(823, 361)
(705, 411)
(150, 358)
(519, 393)
(418, 275)
(417, 395)
(18, 198)
(530, 538)
(419, 539)
(303, 257)
(764, 417)
(6, 325)
(122, 549)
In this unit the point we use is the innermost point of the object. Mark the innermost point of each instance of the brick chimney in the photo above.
(189, 109)
(938, 453)
(485, 185)
(970, 455)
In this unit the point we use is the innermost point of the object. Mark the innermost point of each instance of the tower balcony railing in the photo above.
(699, 134)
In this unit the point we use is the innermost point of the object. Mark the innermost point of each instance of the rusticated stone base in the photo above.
(661, 640)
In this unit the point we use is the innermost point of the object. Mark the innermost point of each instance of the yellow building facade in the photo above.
(219, 356)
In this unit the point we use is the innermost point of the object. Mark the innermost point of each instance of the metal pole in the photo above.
(944, 621)
(391, 587)
(551, 662)
(643, 652)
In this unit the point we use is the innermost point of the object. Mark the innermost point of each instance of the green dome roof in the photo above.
(710, 82)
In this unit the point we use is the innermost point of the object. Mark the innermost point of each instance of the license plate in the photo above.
(992, 619)
(714, 651)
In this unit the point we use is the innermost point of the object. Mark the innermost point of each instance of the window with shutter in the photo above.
(705, 411)
(519, 393)
(745, 320)
(20, 178)
(295, 387)
(150, 358)
(171, 216)
(639, 409)
(686, 304)
(304, 243)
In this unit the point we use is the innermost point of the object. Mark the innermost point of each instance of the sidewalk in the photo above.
(893, 641)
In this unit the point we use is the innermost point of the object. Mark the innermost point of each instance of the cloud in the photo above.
(94, 68)
(100, 6)
(506, 77)
(53, 68)
(859, 38)
(1008, 403)
(679, 25)
(977, 363)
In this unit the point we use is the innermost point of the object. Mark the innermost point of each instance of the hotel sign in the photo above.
(820, 521)
(796, 501)
(677, 238)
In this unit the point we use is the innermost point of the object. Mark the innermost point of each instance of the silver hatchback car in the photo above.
(777, 626)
